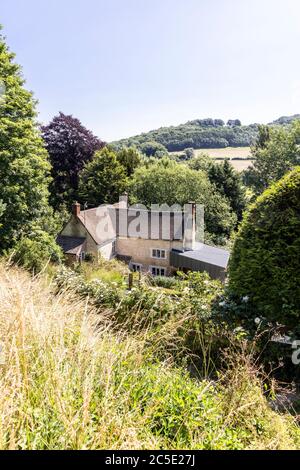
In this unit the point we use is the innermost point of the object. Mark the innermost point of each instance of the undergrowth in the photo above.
(72, 378)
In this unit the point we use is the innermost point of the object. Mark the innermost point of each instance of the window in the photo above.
(159, 254)
(114, 248)
(157, 271)
(82, 256)
(136, 267)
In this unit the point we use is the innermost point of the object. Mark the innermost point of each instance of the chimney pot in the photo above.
(76, 209)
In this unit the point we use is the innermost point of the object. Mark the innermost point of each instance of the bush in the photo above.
(265, 263)
(36, 250)
(162, 281)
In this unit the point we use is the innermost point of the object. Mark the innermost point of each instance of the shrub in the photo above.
(163, 281)
(35, 250)
(265, 262)
(90, 258)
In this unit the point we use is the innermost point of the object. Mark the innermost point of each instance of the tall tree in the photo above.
(265, 264)
(154, 149)
(24, 165)
(276, 152)
(102, 180)
(130, 159)
(228, 183)
(70, 146)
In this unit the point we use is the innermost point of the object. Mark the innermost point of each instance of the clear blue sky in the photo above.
(127, 66)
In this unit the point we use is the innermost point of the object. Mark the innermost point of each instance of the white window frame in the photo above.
(135, 265)
(160, 250)
(160, 268)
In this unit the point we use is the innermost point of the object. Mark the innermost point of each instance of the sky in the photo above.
(128, 66)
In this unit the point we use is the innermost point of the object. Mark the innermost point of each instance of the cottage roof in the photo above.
(154, 224)
(71, 245)
(209, 254)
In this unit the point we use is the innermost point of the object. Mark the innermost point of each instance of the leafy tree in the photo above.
(70, 146)
(285, 120)
(130, 159)
(234, 123)
(228, 183)
(201, 134)
(35, 250)
(189, 153)
(24, 166)
(201, 162)
(265, 264)
(168, 182)
(102, 180)
(153, 149)
(262, 139)
(276, 152)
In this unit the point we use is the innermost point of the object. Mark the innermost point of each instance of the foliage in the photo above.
(168, 182)
(286, 120)
(276, 152)
(234, 123)
(35, 250)
(187, 308)
(111, 272)
(225, 178)
(72, 380)
(163, 281)
(102, 180)
(70, 146)
(201, 162)
(130, 159)
(203, 133)
(153, 149)
(200, 133)
(265, 263)
(24, 166)
(189, 153)
(229, 184)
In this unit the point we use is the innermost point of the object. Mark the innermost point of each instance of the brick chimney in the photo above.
(76, 209)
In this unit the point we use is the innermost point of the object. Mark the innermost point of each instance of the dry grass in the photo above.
(219, 154)
(69, 380)
(228, 152)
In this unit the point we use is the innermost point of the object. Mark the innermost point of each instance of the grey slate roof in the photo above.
(209, 254)
(204, 258)
(71, 245)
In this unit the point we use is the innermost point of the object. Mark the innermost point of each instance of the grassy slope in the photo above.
(71, 380)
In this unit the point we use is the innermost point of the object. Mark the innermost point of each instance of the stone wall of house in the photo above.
(106, 251)
(140, 251)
